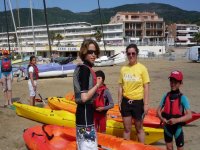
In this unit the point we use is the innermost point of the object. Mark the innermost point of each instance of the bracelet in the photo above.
(146, 104)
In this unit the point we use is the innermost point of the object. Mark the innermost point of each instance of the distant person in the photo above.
(173, 111)
(6, 77)
(133, 93)
(33, 75)
(85, 87)
(102, 104)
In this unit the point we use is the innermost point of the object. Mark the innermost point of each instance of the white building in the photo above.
(183, 34)
(73, 33)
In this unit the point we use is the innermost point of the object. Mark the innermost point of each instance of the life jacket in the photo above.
(172, 108)
(77, 88)
(99, 100)
(6, 66)
(35, 72)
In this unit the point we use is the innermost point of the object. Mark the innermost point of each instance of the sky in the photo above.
(88, 5)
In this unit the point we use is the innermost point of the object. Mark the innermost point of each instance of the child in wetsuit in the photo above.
(173, 111)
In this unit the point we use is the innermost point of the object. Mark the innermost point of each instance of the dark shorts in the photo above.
(134, 108)
(175, 131)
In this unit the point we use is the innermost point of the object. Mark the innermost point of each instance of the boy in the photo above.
(102, 104)
(173, 111)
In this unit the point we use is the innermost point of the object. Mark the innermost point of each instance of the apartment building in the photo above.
(141, 26)
(183, 34)
(73, 34)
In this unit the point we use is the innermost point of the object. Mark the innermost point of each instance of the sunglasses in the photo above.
(129, 54)
(92, 52)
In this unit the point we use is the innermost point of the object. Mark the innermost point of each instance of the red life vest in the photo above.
(99, 101)
(6, 66)
(35, 71)
(172, 108)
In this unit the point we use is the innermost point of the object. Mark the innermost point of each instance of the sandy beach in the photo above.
(12, 126)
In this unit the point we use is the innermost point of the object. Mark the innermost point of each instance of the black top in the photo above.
(84, 112)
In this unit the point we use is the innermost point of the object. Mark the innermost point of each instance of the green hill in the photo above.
(170, 14)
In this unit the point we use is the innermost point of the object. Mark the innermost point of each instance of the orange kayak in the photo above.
(52, 137)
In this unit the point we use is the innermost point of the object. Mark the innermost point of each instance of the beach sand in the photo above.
(12, 126)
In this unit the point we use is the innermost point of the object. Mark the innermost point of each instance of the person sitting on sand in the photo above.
(173, 111)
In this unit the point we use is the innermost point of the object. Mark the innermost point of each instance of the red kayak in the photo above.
(52, 137)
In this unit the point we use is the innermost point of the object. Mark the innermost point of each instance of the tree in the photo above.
(52, 36)
(197, 38)
(59, 37)
(98, 35)
(14, 39)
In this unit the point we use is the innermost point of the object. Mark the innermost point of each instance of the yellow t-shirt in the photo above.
(132, 79)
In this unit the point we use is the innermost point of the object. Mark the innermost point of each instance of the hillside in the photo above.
(170, 14)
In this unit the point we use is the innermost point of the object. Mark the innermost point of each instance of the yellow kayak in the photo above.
(65, 118)
(44, 115)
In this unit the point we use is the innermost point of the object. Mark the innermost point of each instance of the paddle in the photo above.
(41, 99)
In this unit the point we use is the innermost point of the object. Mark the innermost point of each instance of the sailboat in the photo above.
(110, 61)
(105, 60)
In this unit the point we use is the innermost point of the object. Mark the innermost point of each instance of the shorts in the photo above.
(134, 108)
(177, 132)
(6, 82)
(100, 122)
(86, 137)
(32, 92)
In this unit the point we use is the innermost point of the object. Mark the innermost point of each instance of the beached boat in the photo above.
(51, 69)
(55, 69)
(51, 137)
(110, 61)
(65, 118)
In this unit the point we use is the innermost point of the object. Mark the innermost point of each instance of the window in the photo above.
(134, 17)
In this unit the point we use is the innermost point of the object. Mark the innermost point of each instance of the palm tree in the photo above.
(14, 39)
(52, 36)
(59, 37)
(197, 38)
(98, 35)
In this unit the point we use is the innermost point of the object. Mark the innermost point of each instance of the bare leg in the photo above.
(169, 146)
(140, 130)
(9, 96)
(32, 100)
(127, 121)
(6, 97)
(180, 148)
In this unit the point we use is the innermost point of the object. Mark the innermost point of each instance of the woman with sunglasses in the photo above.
(133, 93)
(85, 86)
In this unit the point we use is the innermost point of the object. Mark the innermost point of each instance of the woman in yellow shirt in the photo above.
(133, 93)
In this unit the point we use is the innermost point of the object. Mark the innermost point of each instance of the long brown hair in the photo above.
(84, 48)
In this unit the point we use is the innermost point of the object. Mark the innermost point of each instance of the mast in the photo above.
(7, 28)
(19, 25)
(14, 25)
(33, 28)
(45, 14)
(101, 25)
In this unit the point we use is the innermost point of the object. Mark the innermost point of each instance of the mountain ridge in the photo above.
(170, 14)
